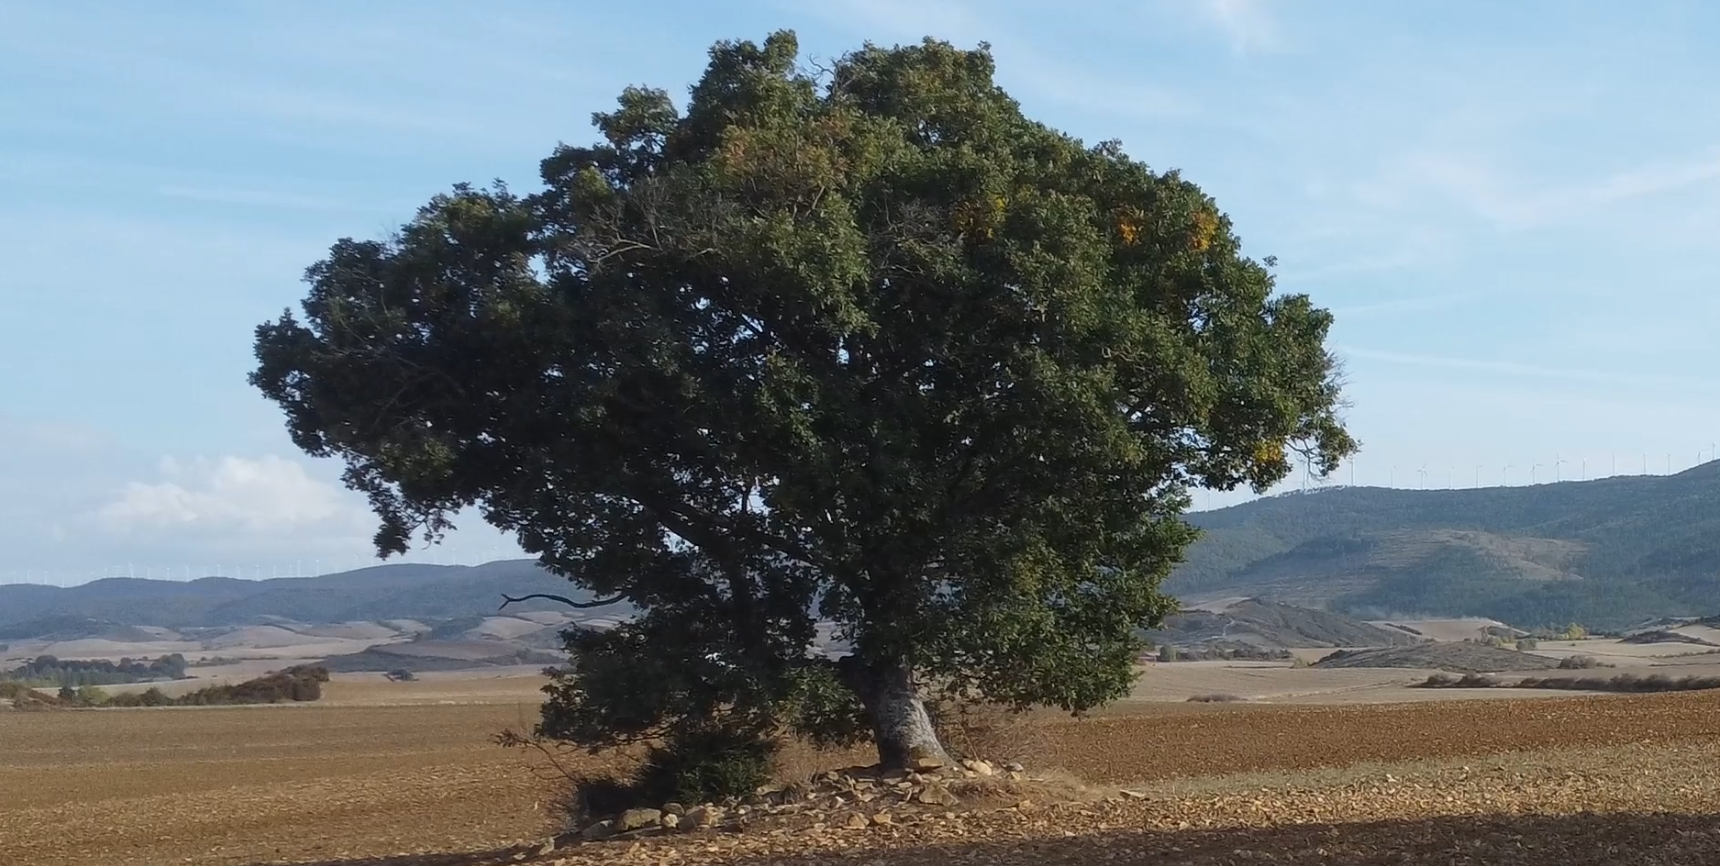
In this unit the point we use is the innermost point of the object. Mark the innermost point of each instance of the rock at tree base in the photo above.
(634, 819)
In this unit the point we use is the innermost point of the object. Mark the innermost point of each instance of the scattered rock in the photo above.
(675, 809)
(547, 848)
(979, 768)
(669, 820)
(857, 821)
(700, 818)
(928, 762)
(635, 819)
(938, 795)
(883, 819)
(600, 830)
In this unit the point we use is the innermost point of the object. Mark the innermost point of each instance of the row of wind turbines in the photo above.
(1557, 467)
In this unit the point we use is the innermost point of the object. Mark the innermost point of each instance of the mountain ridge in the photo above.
(389, 591)
(1606, 552)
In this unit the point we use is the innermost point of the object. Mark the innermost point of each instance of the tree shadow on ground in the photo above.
(1636, 839)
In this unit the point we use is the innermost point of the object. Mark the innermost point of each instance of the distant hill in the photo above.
(432, 593)
(1463, 658)
(1606, 553)
(1273, 626)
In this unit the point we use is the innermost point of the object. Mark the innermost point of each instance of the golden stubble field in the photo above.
(404, 775)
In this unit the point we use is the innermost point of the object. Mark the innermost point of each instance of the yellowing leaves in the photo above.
(1129, 225)
(980, 217)
(1269, 453)
(1205, 228)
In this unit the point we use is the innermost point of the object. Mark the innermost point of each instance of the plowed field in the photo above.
(1569, 780)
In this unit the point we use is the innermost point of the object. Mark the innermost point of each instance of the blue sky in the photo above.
(1513, 209)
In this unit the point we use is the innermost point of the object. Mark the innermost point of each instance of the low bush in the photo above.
(1215, 699)
(1581, 663)
(301, 683)
(1467, 681)
(1526, 644)
(1623, 683)
(705, 766)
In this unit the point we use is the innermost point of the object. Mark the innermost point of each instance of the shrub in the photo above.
(301, 683)
(401, 675)
(1215, 699)
(704, 765)
(1298, 662)
(1526, 644)
(1167, 653)
(1623, 683)
(1467, 681)
(1581, 663)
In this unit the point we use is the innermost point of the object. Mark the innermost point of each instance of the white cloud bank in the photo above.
(267, 496)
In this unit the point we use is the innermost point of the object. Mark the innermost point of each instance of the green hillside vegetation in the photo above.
(1608, 553)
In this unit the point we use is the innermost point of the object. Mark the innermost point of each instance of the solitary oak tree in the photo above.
(855, 342)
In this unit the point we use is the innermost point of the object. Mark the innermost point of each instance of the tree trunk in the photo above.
(900, 725)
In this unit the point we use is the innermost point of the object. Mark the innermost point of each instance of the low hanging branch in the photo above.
(581, 605)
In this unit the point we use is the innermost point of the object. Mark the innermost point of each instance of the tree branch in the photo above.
(581, 605)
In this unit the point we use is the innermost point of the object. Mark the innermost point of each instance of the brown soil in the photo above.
(1565, 780)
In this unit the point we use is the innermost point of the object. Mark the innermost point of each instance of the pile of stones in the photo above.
(855, 798)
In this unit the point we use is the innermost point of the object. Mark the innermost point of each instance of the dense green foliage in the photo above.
(1608, 553)
(98, 672)
(863, 343)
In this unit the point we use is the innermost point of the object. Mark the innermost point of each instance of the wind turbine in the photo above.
(1422, 480)
(1505, 476)
(1558, 461)
(1477, 477)
(1532, 475)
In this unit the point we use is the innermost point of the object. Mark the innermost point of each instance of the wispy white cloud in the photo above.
(267, 496)
(1514, 368)
(1393, 306)
(1247, 24)
(1517, 201)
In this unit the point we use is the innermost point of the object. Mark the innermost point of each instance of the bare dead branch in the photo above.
(580, 605)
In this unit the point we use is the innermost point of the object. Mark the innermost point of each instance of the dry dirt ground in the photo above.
(387, 774)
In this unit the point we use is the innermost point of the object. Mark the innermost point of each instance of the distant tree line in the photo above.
(100, 672)
(301, 683)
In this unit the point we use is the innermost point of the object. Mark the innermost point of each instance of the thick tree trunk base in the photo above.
(901, 727)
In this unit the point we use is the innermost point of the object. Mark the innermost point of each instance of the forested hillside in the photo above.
(1607, 552)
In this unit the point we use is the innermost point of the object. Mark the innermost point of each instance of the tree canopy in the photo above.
(861, 343)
